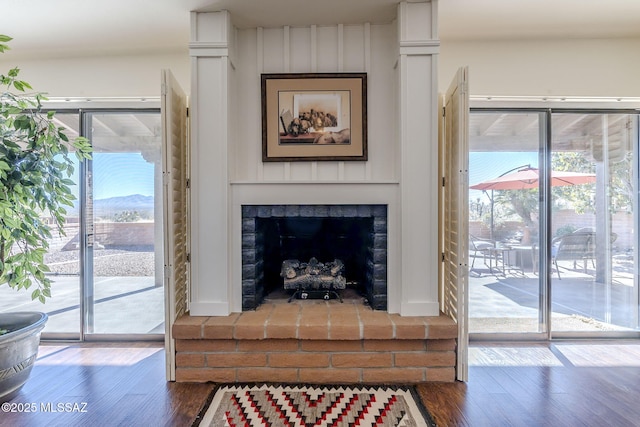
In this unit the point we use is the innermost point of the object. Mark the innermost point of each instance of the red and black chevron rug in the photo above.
(306, 406)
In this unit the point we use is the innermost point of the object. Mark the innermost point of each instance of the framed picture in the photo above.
(309, 117)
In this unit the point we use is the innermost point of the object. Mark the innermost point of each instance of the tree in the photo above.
(524, 204)
(35, 167)
(581, 197)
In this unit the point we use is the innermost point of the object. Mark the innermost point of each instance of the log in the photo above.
(289, 268)
(313, 275)
(337, 268)
(311, 281)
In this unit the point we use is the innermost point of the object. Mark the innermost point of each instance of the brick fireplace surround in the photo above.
(315, 341)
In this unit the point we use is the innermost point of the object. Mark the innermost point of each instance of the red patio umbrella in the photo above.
(528, 177)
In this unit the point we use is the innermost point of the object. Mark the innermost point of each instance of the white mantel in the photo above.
(400, 59)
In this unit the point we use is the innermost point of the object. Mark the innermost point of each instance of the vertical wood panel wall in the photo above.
(338, 48)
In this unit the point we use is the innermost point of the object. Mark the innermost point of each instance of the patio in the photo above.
(123, 305)
(126, 298)
(507, 301)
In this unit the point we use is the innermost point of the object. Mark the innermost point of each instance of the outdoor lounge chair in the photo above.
(577, 246)
(481, 247)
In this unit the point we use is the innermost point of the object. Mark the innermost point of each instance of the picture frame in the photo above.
(314, 117)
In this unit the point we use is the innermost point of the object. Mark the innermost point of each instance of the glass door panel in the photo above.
(504, 283)
(124, 292)
(594, 284)
(63, 259)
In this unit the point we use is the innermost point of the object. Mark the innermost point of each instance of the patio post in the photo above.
(603, 220)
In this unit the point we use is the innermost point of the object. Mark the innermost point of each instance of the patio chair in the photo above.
(478, 246)
(577, 246)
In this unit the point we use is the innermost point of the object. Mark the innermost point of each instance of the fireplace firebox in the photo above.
(354, 234)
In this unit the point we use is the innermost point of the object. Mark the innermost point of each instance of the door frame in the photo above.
(84, 111)
(546, 332)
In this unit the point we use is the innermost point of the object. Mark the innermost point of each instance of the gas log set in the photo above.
(313, 279)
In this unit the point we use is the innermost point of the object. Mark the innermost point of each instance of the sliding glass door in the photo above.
(124, 290)
(63, 260)
(553, 220)
(107, 269)
(504, 228)
(593, 224)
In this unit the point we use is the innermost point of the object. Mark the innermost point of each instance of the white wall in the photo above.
(602, 68)
(101, 76)
(580, 67)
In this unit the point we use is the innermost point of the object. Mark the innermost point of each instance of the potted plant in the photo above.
(35, 170)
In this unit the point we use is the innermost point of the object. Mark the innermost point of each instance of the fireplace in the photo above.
(354, 234)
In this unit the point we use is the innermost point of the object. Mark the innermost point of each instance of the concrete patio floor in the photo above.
(123, 305)
(506, 303)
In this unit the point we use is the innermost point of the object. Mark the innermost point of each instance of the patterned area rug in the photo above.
(306, 406)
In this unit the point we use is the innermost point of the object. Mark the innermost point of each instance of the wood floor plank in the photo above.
(568, 384)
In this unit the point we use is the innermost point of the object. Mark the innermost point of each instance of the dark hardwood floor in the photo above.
(559, 384)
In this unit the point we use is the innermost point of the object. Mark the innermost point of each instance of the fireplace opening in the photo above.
(326, 239)
(354, 234)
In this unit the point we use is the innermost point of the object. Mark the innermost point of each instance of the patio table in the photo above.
(518, 257)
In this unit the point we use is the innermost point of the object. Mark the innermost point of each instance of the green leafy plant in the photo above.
(35, 169)
(127, 216)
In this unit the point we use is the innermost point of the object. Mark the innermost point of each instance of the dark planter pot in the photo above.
(18, 349)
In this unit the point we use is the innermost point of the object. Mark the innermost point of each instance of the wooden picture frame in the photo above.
(311, 117)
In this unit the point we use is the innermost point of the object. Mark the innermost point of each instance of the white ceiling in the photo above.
(83, 27)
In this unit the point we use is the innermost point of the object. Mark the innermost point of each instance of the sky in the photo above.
(489, 165)
(119, 174)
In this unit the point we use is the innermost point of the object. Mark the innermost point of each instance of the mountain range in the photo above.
(133, 202)
(144, 205)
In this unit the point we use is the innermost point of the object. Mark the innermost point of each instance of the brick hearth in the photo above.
(315, 341)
